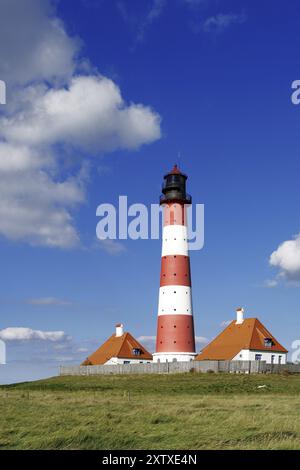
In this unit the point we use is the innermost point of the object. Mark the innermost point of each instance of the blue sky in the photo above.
(213, 81)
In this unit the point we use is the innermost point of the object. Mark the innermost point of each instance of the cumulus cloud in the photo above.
(35, 208)
(48, 301)
(55, 117)
(220, 22)
(27, 334)
(34, 44)
(287, 259)
(90, 114)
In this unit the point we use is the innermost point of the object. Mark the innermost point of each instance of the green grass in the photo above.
(184, 411)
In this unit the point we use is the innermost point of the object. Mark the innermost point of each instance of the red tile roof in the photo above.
(248, 335)
(117, 346)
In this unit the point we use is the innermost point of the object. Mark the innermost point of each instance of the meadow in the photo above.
(180, 411)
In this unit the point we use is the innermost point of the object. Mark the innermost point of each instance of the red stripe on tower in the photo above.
(175, 339)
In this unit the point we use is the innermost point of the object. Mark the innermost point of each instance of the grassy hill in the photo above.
(184, 411)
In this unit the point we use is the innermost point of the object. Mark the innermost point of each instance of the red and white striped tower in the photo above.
(175, 338)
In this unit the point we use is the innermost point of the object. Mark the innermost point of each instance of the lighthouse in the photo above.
(175, 339)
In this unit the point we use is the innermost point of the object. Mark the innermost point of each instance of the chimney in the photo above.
(239, 316)
(119, 329)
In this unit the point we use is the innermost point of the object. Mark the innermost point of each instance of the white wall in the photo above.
(120, 360)
(170, 357)
(248, 355)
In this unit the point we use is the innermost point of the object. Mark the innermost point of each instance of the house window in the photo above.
(268, 342)
(279, 359)
(258, 357)
(136, 351)
(272, 358)
(126, 362)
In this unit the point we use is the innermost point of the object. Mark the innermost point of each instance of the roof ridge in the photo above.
(253, 329)
(122, 342)
(277, 343)
(214, 339)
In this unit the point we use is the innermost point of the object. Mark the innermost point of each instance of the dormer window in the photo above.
(136, 351)
(268, 342)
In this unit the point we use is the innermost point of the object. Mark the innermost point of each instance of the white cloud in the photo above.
(149, 339)
(153, 14)
(112, 247)
(27, 334)
(51, 123)
(221, 21)
(64, 358)
(287, 259)
(17, 158)
(48, 301)
(35, 208)
(141, 23)
(33, 43)
(270, 283)
(90, 114)
(201, 340)
(225, 323)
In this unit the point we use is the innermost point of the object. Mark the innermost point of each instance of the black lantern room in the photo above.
(174, 187)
